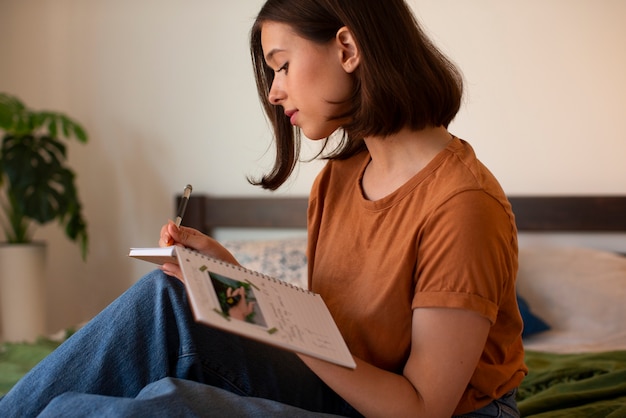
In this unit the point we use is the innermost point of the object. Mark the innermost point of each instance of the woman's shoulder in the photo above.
(463, 170)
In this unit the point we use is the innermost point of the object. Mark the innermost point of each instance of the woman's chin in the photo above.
(314, 138)
(317, 134)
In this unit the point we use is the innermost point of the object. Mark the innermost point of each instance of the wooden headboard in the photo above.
(532, 213)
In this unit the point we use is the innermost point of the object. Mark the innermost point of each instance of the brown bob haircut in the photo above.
(403, 80)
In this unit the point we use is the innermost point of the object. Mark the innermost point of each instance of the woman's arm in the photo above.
(445, 348)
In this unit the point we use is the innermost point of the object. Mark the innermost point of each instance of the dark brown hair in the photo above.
(403, 80)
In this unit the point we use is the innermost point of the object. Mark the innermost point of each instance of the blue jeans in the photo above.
(145, 344)
(505, 407)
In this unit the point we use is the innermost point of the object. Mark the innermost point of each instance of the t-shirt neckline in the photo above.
(410, 185)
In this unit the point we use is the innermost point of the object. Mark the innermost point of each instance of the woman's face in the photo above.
(310, 83)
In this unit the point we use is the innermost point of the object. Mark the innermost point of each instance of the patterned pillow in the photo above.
(283, 259)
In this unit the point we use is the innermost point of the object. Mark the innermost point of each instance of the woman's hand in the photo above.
(190, 238)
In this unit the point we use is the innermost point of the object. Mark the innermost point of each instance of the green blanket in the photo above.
(574, 385)
(18, 358)
(557, 385)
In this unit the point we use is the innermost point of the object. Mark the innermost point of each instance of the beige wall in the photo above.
(165, 89)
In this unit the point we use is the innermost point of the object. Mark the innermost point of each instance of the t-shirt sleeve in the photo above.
(465, 256)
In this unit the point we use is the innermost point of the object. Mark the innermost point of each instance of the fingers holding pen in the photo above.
(177, 235)
(192, 238)
(165, 236)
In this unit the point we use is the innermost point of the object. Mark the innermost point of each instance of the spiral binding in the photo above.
(246, 270)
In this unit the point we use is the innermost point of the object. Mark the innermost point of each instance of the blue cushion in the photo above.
(532, 323)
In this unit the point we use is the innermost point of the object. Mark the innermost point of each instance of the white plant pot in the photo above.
(22, 291)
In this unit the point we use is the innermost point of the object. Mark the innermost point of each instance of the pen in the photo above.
(182, 207)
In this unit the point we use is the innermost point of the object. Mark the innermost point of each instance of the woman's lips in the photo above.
(292, 116)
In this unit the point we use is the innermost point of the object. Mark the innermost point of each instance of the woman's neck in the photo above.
(399, 157)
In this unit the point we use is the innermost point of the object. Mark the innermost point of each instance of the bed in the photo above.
(571, 294)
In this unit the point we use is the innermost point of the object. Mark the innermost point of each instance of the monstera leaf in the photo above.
(39, 187)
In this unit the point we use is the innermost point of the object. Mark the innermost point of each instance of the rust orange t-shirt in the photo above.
(446, 238)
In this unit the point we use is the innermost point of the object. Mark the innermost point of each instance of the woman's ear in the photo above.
(349, 52)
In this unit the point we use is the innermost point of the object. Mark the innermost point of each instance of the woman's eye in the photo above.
(285, 68)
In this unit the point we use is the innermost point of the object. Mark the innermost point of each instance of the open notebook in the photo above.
(254, 305)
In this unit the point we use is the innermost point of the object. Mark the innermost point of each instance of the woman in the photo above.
(403, 218)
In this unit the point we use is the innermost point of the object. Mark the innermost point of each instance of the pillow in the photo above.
(580, 292)
(283, 259)
(532, 323)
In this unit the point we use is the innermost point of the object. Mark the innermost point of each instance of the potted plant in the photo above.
(36, 187)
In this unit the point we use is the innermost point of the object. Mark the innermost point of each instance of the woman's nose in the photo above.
(276, 94)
